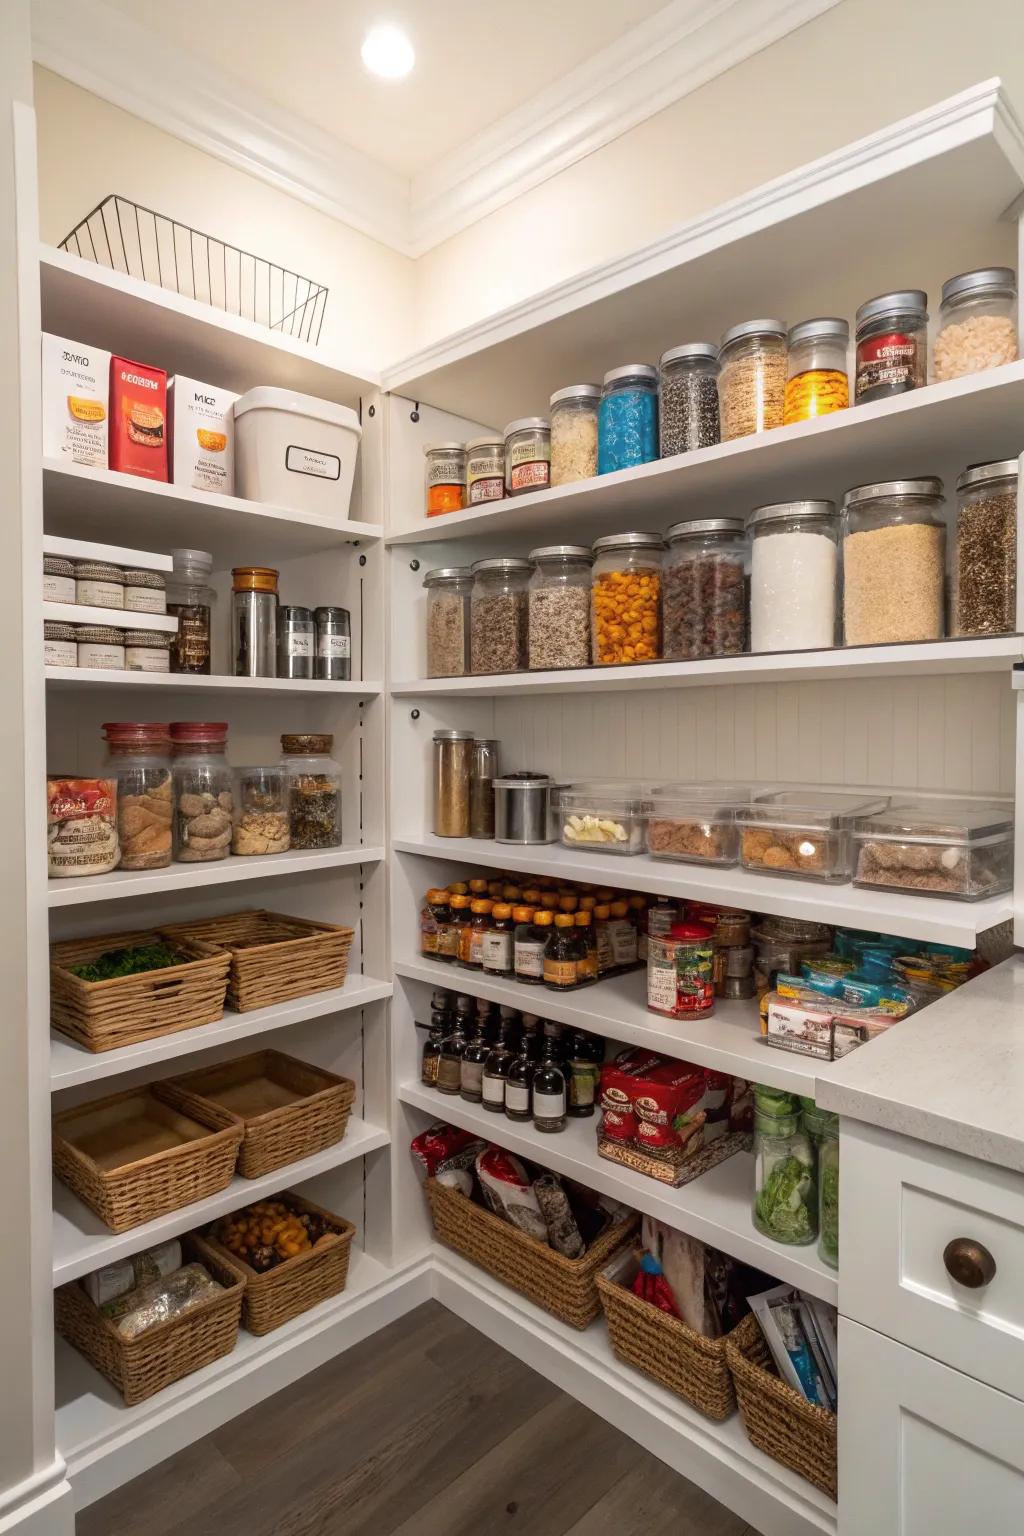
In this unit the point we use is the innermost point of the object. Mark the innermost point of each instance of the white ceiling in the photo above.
(476, 60)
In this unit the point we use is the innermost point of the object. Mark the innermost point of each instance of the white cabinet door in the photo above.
(923, 1449)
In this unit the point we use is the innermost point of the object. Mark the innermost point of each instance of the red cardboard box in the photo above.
(138, 419)
(653, 1103)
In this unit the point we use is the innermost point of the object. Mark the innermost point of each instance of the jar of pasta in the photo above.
(817, 382)
(446, 477)
(626, 598)
(574, 433)
(752, 378)
(977, 322)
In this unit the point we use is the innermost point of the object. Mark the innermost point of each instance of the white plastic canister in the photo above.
(295, 451)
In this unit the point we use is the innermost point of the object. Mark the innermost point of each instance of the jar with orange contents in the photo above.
(446, 477)
(626, 598)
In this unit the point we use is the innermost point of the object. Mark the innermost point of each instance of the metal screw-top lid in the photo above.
(828, 328)
(444, 448)
(492, 440)
(641, 540)
(994, 280)
(523, 780)
(290, 613)
(705, 525)
(752, 328)
(632, 371)
(307, 746)
(981, 474)
(912, 301)
(329, 616)
(576, 392)
(506, 563)
(451, 736)
(527, 424)
(690, 350)
(442, 573)
(927, 488)
(561, 552)
(776, 511)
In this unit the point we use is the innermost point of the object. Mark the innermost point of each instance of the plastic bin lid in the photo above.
(266, 398)
(941, 821)
(819, 809)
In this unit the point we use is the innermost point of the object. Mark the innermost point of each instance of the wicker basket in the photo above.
(777, 1418)
(167, 1351)
(102, 1015)
(137, 1155)
(296, 1285)
(273, 957)
(662, 1346)
(565, 1287)
(286, 1109)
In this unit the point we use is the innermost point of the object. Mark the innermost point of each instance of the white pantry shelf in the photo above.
(123, 884)
(62, 679)
(113, 554)
(934, 918)
(71, 1064)
(716, 1208)
(82, 1243)
(116, 618)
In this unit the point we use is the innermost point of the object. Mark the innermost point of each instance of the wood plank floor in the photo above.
(427, 1429)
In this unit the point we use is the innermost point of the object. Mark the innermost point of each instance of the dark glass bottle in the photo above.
(519, 1079)
(562, 954)
(432, 1046)
(471, 953)
(487, 1019)
(471, 1075)
(512, 1023)
(496, 1067)
(449, 1068)
(461, 919)
(528, 947)
(588, 962)
(582, 1080)
(498, 942)
(549, 1089)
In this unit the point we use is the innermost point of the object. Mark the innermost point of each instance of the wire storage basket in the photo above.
(129, 238)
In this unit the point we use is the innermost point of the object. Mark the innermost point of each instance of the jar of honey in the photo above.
(446, 477)
(817, 380)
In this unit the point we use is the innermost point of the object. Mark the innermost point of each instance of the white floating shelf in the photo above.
(912, 916)
(114, 554)
(71, 1064)
(716, 1208)
(122, 884)
(117, 618)
(64, 678)
(81, 1242)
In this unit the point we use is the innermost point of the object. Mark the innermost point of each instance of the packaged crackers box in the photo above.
(76, 382)
(138, 419)
(202, 435)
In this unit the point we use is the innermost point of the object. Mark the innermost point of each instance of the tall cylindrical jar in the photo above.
(189, 599)
(627, 423)
(785, 1189)
(688, 399)
(445, 477)
(894, 562)
(752, 378)
(793, 572)
(892, 345)
(817, 378)
(448, 589)
(559, 607)
(498, 615)
(485, 469)
(828, 1191)
(527, 455)
(254, 621)
(626, 598)
(139, 757)
(977, 322)
(203, 792)
(984, 595)
(314, 791)
(705, 589)
(453, 761)
(574, 433)
(333, 645)
(296, 641)
(483, 771)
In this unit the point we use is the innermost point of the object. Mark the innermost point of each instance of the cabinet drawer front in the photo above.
(902, 1204)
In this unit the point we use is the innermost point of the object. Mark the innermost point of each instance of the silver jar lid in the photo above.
(561, 552)
(444, 448)
(927, 488)
(981, 474)
(776, 511)
(642, 540)
(442, 573)
(492, 440)
(290, 613)
(576, 392)
(632, 371)
(448, 735)
(523, 781)
(704, 525)
(508, 563)
(329, 615)
(752, 328)
(974, 284)
(903, 301)
(690, 349)
(527, 424)
(828, 328)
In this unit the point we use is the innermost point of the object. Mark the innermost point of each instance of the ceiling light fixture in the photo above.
(388, 52)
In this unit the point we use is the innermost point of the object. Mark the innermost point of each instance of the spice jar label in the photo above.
(144, 600)
(487, 489)
(661, 985)
(445, 472)
(99, 594)
(299, 644)
(332, 647)
(561, 973)
(887, 361)
(496, 953)
(534, 474)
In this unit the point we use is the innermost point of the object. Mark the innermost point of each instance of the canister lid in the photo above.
(752, 328)
(777, 510)
(156, 639)
(523, 781)
(632, 371)
(198, 730)
(913, 300)
(561, 552)
(254, 578)
(446, 735)
(982, 280)
(492, 440)
(527, 424)
(981, 474)
(307, 746)
(927, 488)
(689, 931)
(639, 540)
(444, 447)
(828, 328)
(576, 392)
(54, 629)
(265, 397)
(144, 579)
(446, 573)
(98, 570)
(137, 733)
(704, 525)
(192, 562)
(328, 615)
(694, 349)
(290, 613)
(507, 563)
(99, 634)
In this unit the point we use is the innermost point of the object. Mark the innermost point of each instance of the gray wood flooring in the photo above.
(427, 1429)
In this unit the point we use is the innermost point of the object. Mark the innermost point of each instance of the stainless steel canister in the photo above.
(333, 645)
(296, 641)
(483, 771)
(453, 756)
(524, 809)
(254, 621)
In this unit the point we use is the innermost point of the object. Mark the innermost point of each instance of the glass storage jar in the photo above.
(448, 589)
(977, 322)
(139, 758)
(705, 592)
(559, 607)
(261, 819)
(498, 615)
(527, 455)
(254, 621)
(453, 766)
(484, 768)
(752, 378)
(445, 477)
(894, 562)
(626, 598)
(314, 791)
(627, 423)
(817, 381)
(785, 1192)
(828, 1190)
(958, 848)
(189, 598)
(574, 433)
(793, 575)
(892, 345)
(688, 398)
(803, 832)
(485, 469)
(984, 581)
(203, 795)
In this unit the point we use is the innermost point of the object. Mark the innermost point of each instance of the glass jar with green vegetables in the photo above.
(785, 1190)
(828, 1194)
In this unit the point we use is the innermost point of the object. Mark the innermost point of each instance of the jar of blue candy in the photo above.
(627, 423)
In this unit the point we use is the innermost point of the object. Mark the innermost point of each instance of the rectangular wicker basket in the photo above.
(102, 1015)
(273, 957)
(567, 1288)
(136, 1155)
(663, 1347)
(164, 1353)
(284, 1108)
(280, 1294)
(778, 1420)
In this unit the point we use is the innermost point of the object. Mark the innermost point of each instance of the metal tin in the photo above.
(333, 645)
(524, 809)
(254, 621)
(296, 641)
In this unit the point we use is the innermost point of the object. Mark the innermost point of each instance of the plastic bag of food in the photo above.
(158, 1300)
(563, 1233)
(115, 1280)
(442, 1146)
(509, 1193)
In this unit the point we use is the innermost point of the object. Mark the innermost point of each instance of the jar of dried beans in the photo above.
(446, 477)
(892, 345)
(752, 381)
(626, 598)
(705, 598)
(627, 428)
(984, 597)
(485, 469)
(139, 757)
(527, 455)
(977, 322)
(688, 398)
(498, 615)
(574, 433)
(448, 589)
(559, 607)
(203, 793)
(817, 382)
(314, 791)
(894, 562)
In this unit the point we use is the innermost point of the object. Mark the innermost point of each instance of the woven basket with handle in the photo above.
(780, 1421)
(273, 958)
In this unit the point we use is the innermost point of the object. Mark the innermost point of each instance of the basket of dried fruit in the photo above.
(273, 957)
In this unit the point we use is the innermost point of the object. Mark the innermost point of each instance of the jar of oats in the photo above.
(894, 562)
(752, 378)
(559, 607)
(574, 433)
(977, 322)
(448, 588)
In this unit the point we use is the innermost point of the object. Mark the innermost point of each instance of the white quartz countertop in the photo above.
(952, 1075)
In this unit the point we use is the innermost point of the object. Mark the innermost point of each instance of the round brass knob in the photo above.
(968, 1263)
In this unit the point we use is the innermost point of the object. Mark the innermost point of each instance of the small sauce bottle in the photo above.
(498, 942)
(528, 947)
(588, 971)
(562, 955)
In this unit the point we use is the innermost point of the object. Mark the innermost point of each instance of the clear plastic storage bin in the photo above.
(608, 816)
(940, 848)
(803, 832)
(695, 823)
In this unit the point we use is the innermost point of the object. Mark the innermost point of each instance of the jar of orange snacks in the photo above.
(626, 598)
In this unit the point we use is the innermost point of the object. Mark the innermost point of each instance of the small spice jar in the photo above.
(147, 650)
(314, 791)
(101, 646)
(445, 477)
(817, 382)
(145, 592)
(261, 818)
(485, 469)
(453, 764)
(626, 598)
(203, 793)
(139, 757)
(559, 607)
(977, 322)
(627, 423)
(894, 562)
(498, 615)
(98, 585)
(793, 576)
(680, 972)
(296, 641)
(752, 380)
(58, 580)
(892, 345)
(574, 433)
(333, 645)
(688, 398)
(705, 593)
(448, 589)
(984, 593)
(527, 455)
(59, 647)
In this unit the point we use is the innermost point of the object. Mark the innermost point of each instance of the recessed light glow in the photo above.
(388, 52)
